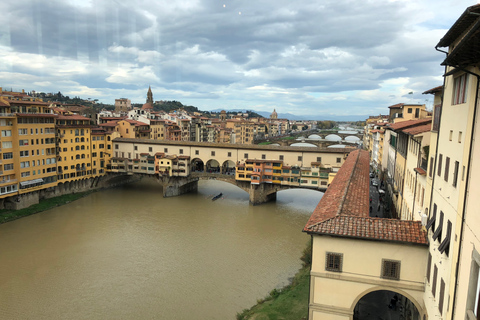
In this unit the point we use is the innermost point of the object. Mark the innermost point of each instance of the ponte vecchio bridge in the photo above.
(259, 170)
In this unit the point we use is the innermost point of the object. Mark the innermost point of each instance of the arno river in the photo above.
(129, 253)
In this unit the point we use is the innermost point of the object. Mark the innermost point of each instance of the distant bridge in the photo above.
(179, 165)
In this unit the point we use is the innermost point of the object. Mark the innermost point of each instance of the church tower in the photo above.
(149, 95)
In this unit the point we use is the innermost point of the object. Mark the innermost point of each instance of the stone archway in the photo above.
(386, 302)
(197, 165)
(228, 167)
(212, 166)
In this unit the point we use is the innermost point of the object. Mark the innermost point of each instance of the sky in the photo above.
(309, 58)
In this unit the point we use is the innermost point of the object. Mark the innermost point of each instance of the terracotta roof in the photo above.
(398, 105)
(420, 171)
(419, 129)
(434, 90)
(409, 123)
(344, 209)
(465, 21)
(374, 229)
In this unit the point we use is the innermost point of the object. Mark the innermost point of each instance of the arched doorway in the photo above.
(228, 167)
(213, 166)
(197, 165)
(385, 304)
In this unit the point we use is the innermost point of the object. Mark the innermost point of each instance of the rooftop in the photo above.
(343, 211)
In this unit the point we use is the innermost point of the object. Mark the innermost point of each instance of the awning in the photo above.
(30, 182)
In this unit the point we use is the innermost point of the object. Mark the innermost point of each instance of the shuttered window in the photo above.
(434, 282)
(438, 233)
(429, 266)
(439, 169)
(441, 294)
(455, 173)
(447, 167)
(431, 167)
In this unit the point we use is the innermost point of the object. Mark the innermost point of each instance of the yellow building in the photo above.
(74, 137)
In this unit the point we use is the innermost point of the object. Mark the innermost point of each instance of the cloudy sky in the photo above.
(313, 58)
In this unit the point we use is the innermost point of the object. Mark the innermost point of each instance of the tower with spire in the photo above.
(149, 104)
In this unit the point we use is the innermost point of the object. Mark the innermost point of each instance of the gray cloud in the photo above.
(304, 57)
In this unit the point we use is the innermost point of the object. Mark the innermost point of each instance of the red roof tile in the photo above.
(419, 129)
(434, 90)
(409, 123)
(344, 209)
(398, 105)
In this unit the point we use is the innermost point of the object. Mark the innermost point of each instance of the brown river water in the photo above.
(129, 253)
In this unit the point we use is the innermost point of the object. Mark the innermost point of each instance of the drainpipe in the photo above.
(467, 184)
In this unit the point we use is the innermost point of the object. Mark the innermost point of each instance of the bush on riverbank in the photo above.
(7, 215)
(290, 302)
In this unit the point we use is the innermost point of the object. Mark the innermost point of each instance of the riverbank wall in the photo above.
(25, 200)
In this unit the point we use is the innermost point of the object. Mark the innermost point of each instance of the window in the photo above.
(436, 118)
(459, 89)
(431, 167)
(339, 160)
(245, 155)
(181, 151)
(447, 167)
(334, 262)
(20, 132)
(23, 153)
(264, 157)
(135, 148)
(440, 299)
(150, 149)
(280, 158)
(299, 158)
(7, 144)
(445, 245)
(455, 173)
(409, 110)
(439, 169)
(229, 154)
(460, 137)
(473, 296)
(438, 233)
(8, 166)
(450, 136)
(116, 146)
(213, 153)
(165, 150)
(429, 266)
(390, 269)
(319, 159)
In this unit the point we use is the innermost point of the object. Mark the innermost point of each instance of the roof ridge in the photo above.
(342, 201)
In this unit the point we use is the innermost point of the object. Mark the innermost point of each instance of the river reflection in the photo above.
(129, 253)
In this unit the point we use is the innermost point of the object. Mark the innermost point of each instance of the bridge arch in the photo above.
(228, 167)
(213, 166)
(389, 293)
(197, 165)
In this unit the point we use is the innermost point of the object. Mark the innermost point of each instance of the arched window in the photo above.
(77, 156)
(83, 156)
(83, 147)
(77, 148)
(76, 132)
(77, 140)
(82, 139)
